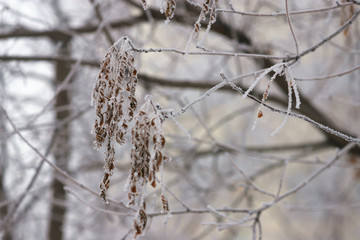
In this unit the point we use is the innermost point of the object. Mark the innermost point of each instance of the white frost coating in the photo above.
(212, 20)
(287, 111)
(215, 211)
(277, 72)
(297, 95)
(181, 127)
(168, 8)
(197, 26)
(289, 75)
(256, 119)
(279, 69)
(188, 43)
(148, 97)
(305, 118)
(93, 100)
(144, 3)
(275, 68)
(123, 44)
(206, 94)
(161, 167)
(163, 6)
(127, 183)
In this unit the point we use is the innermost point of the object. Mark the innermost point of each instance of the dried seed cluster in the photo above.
(140, 221)
(116, 106)
(168, 8)
(144, 3)
(146, 160)
(115, 103)
(208, 8)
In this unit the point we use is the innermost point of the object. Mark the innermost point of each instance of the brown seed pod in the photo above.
(165, 203)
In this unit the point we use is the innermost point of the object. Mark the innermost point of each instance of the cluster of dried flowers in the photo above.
(116, 106)
(168, 8)
(208, 8)
(146, 160)
(114, 100)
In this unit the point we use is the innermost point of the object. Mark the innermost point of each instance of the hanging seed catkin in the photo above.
(115, 104)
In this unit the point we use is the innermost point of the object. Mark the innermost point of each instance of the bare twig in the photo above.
(209, 53)
(278, 14)
(200, 211)
(337, 156)
(248, 180)
(291, 28)
(281, 178)
(330, 76)
(304, 183)
(99, 16)
(106, 211)
(303, 117)
(331, 36)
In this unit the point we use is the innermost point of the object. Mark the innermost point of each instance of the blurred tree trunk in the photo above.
(62, 147)
(3, 159)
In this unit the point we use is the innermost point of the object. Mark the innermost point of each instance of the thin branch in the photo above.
(331, 36)
(291, 28)
(322, 207)
(329, 76)
(176, 198)
(55, 33)
(289, 147)
(39, 58)
(200, 211)
(180, 83)
(210, 53)
(300, 116)
(248, 180)
(64, 83)
(278, 14)
(255, 224)
(99, 16)
(106, 211)
(331, 162)
(301, 185)
(259, 226)
(281, 178)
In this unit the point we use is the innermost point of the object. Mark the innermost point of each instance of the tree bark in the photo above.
(62, 147)
(6, 235)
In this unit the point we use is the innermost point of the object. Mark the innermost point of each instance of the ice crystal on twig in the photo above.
(287, 111)
(114, 100)
(291, 81)
(279, 70)
(291, 86)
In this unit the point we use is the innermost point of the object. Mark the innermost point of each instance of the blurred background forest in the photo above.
(225, 179)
